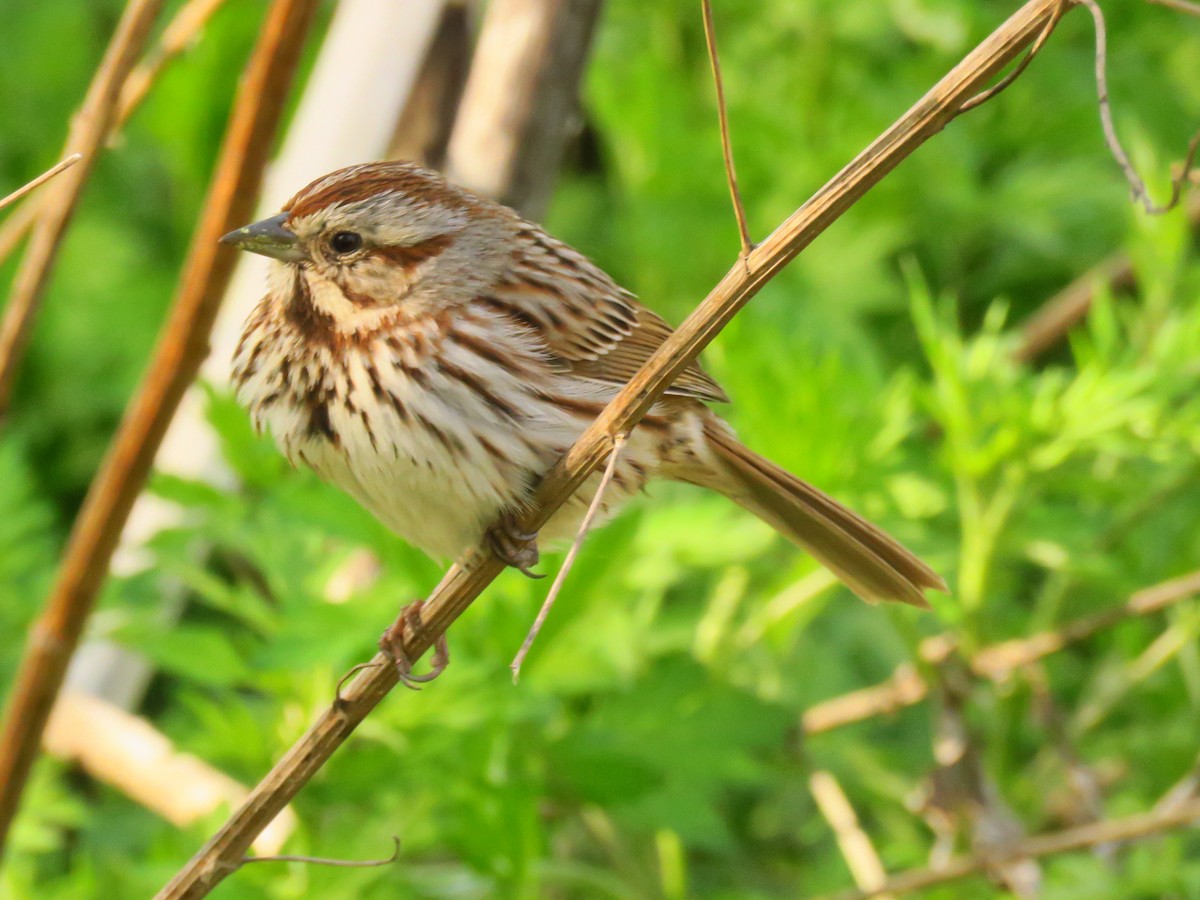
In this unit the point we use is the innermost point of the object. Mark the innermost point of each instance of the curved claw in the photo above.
(392, 644)
(528, 573)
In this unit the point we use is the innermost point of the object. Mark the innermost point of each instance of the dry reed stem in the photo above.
(857, 849)
(181, 348)
(468, 578)
(89, 128)
(906, 686)
(1093, 834)
(180, 33)
(40, 180)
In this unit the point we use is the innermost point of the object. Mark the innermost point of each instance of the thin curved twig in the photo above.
(984, 96)
(1136, 185)
(735, 194)
(569, 561)
(327, 861)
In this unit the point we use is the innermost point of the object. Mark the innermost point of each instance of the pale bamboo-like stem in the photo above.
(89, 129)
(468, 578)
(181, 349)
(857, 849)
(128, 753)
(520, 97)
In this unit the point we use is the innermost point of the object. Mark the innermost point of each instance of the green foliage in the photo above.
(653, 745)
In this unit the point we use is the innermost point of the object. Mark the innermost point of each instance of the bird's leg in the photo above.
(513, 546)
(392, 644)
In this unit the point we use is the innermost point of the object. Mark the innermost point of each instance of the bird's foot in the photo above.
(513, 546)
(392, 644)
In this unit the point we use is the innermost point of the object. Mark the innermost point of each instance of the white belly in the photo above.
(436, 433)
(437, 464)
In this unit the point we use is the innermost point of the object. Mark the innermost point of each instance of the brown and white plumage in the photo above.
(439, 360)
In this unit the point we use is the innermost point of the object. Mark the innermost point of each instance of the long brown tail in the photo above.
(872, 564)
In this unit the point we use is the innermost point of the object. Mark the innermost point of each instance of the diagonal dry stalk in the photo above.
(88, 130)
(861, 857)
(466, 580)
(1094, 834)
(181, 348)
(907, 687)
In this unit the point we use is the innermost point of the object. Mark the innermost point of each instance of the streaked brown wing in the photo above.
(596, 328)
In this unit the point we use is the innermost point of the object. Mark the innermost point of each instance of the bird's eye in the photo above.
(344, 242)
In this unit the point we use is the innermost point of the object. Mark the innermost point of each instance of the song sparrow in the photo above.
(433, 354)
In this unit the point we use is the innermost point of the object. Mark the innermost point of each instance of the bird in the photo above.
(433, 353)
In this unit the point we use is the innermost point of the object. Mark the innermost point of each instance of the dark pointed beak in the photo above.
(268, 237)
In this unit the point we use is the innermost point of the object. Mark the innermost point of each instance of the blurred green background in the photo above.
(653, 747)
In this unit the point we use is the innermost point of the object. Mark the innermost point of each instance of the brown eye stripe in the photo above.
(405, 257)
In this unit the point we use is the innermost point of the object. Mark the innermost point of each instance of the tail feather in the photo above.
(871, 563)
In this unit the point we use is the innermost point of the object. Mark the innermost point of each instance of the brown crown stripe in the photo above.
(359, 183)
